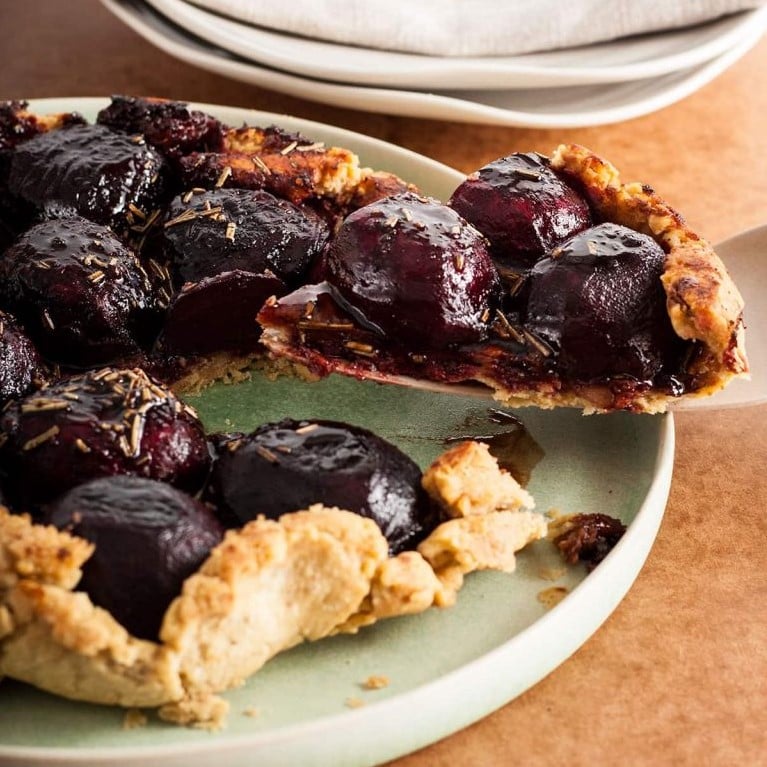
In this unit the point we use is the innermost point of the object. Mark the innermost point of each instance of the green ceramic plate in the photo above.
(446, 668)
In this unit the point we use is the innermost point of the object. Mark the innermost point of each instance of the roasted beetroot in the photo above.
(107, 177)
(18, 125)
(218, 313)
(522, 207)
(416, 270)
(597, 299)
(83, 296)
(98, 424)
(169, 126)
(287, 466)
(21, 368)
(212, 232)
(149, 538)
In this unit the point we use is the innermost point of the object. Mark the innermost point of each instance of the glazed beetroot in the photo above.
(149, 538)
(21, 368)
(169, 126)
(598, 300)
(288, 466)
(99, 424)
(522, 207)
(83, 295)
(17, 125)
(218, 313)
(107, 177)
(253, 231)
(416, 270)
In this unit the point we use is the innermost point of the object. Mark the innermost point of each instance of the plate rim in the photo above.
(396, 711)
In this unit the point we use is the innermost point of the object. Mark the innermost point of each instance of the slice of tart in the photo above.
(548, 280)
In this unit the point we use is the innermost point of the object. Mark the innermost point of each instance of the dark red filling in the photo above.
(92, 171)
(21, 368)
(415, 270)
(598, 301)
(287, 466)
(207, 233)
(589, 538)
(629, 344)
(218, 313)
(149, 538)
(169, 126)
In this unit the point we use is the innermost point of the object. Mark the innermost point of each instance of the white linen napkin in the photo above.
(473, 27)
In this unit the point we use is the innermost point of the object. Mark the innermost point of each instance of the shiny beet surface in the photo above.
(288, 466)
(98, 424)
(90, 170)
(522, 207)
(80, 292)
(149, 538)
(21, 368)
(169, 126)
(218, 313)
(598, 301)
(416, 270)
(253, 231)
(17, 125)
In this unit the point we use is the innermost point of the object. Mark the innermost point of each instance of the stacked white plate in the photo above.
(590, 85)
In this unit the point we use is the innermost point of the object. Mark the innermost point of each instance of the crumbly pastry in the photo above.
(268, 586)
(465, 481)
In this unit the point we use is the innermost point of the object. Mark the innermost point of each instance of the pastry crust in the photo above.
(282, 162)
(268, 586)
(63, 644)
(56, 639)
(38, 553)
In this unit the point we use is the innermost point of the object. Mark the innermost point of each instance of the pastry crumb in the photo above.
(252, 711)
(466, 481)
(551, 573)
(204, 712)
(552, 596)
(376, 682)
(134, 718)
(354, 702)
